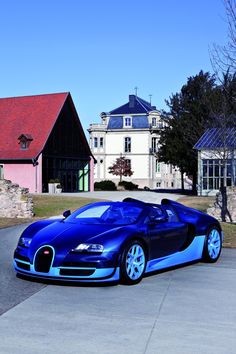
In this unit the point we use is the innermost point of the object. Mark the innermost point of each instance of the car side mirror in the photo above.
(158, 219)
(66, 213)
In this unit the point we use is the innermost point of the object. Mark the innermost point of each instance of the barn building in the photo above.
(41, 139)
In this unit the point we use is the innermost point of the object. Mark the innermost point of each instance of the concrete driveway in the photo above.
(187, 310)
(146, 196)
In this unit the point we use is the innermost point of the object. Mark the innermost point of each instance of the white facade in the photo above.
(134, 136)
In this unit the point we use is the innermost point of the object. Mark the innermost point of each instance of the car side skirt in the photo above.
(193, 252)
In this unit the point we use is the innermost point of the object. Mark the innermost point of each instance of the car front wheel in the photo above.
(133, 263)
(213, 245)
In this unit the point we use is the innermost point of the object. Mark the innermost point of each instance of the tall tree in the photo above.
(190, 114)
(121, 168)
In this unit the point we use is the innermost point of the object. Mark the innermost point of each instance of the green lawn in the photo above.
(202, 203)
(46, 206)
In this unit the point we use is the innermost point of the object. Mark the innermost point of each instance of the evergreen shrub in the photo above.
(105, 185)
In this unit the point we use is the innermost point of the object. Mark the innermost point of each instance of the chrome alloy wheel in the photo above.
(214, 243)
(135, 262)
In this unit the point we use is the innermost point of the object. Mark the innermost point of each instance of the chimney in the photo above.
(132, 101)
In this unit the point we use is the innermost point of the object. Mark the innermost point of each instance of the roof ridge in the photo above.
(137, 98)
(146, 102)
(41, 94)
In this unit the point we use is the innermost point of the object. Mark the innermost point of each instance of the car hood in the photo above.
(66, 236)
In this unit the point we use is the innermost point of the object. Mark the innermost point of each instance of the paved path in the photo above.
(189, 310)
(183, 311)
(146, 196)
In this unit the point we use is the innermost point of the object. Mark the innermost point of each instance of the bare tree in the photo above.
(224, 124)
(223, 57)
(224, 153)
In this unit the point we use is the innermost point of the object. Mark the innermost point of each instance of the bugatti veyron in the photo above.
(117, 241)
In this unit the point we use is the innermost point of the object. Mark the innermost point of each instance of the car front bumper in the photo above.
(73, 267)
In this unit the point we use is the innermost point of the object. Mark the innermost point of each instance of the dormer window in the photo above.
(24, 141)
(127, 122)
(154, 122)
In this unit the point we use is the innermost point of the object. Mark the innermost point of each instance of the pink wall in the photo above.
(91, 174)
(25, 174)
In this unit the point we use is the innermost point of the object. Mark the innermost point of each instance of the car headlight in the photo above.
(24, 242)
(89, 247)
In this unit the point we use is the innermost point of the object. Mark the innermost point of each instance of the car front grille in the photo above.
(43, 259)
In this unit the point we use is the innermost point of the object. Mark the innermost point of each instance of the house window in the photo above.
(154, 121)
(95, 142)
(1, 172)
(101, 142)
(158, 167)
(128, 163)
(160, 125)
(23, 145)
(127, 147)
(158, 184)
(127, 122)
(213, 173)
(154, 145)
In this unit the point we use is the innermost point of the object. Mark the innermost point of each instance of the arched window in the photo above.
(154, 121)
(127, 144)
(158, 167)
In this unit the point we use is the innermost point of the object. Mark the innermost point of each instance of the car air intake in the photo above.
(77, 272)
(43, 259)
(23, 265)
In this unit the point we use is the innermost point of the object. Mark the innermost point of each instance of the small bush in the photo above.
(129, 186)
(106, 185)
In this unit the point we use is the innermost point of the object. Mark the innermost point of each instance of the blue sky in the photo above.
(99, 50)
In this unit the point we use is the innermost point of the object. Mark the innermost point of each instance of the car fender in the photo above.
(115, 240)
(33, 228)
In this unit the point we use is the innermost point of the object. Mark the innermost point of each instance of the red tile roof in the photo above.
(32, 115)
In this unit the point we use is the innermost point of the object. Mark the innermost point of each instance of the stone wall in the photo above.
(15, 201)
(215, 208)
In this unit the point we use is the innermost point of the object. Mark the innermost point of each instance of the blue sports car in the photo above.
(117, 241)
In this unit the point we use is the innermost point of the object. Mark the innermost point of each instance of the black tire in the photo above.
(133, 263)
(213, 245)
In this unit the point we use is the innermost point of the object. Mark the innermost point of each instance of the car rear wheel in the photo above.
(133, 263)
(213, 245)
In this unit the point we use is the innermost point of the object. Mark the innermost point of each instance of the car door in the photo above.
(166, 235)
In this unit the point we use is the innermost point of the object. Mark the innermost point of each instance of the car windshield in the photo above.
(107, 213)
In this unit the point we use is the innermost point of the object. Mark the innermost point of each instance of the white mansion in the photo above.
(132, 130)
